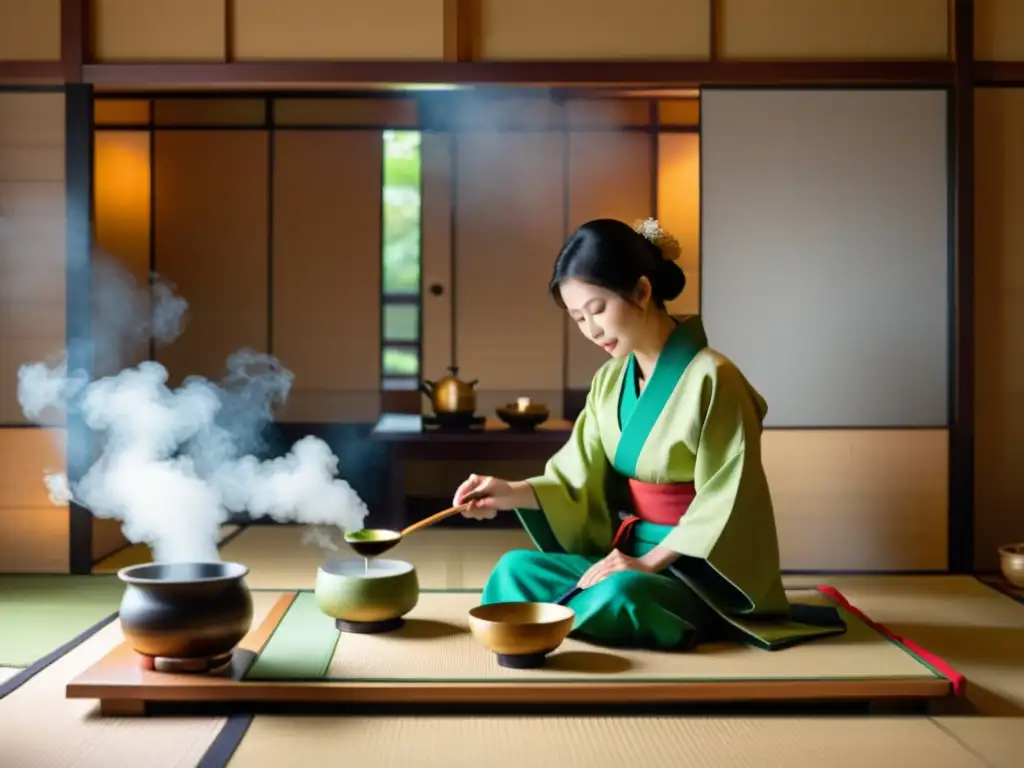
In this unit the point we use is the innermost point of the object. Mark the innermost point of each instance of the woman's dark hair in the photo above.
(612, 255)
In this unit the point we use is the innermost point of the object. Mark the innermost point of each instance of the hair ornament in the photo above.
(651, 230)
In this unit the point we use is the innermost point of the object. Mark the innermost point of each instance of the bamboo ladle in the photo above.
(371, 542)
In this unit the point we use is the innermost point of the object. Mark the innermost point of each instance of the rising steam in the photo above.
(173, 464)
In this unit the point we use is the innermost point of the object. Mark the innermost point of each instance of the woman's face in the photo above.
(604, 317)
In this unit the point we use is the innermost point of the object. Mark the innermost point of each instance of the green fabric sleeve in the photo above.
(571, 494)
(731, 524)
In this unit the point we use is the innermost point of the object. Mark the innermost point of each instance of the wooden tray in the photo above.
(124, 687)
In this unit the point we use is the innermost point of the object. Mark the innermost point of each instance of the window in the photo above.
(401, 226)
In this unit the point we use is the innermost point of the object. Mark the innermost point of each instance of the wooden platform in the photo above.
(124, 686)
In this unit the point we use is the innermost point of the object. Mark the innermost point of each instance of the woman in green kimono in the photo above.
(671, 432)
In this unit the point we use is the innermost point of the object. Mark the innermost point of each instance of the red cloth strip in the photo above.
(625, 528)
(661, 503)
(943, 667)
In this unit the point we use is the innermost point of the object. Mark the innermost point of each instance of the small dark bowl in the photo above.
(523, 418)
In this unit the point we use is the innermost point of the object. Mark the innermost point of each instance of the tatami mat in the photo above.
(436, 644)
(40, 727)
(978, 630)
(39, 612)
(400, 742)
(975, 628)
(999, 740)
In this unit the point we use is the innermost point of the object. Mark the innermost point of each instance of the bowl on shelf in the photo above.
(1011, 562)
(523, 417)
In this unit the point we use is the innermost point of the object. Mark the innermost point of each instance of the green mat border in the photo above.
(249, 676)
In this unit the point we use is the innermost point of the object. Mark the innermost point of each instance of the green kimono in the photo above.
(698, 420)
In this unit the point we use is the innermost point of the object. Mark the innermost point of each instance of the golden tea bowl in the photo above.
(1011, 562)
(521, 634)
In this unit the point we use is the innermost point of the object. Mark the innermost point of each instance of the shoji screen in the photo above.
(825, 277)
(33, 531)
(327, 271)
(210, 213)
(826, 250)
(509, 220)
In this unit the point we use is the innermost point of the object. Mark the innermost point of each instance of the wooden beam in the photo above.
(715, 31)
(75, 30)
(961, 448)
(31, 72)
(78, 161)
(998, 74)
(229, 30)
(632, 73)
(72, 13)
(461, 29)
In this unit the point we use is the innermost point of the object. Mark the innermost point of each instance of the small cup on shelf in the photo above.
(1011, 562)
(522, 415)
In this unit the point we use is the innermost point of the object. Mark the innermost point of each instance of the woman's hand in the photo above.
(485, 496)
(614, 562)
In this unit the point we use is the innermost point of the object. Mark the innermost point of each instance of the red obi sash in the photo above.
(658, 503)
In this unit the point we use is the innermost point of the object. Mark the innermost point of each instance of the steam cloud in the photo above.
(172, 464)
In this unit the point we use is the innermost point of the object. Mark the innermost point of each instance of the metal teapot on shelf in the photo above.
(451, 395)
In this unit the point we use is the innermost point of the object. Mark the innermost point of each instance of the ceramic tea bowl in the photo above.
(367, 596)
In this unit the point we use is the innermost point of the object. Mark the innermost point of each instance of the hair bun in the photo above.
(668, 280)
(650, 230)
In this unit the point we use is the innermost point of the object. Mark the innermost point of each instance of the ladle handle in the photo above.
(433, 519)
